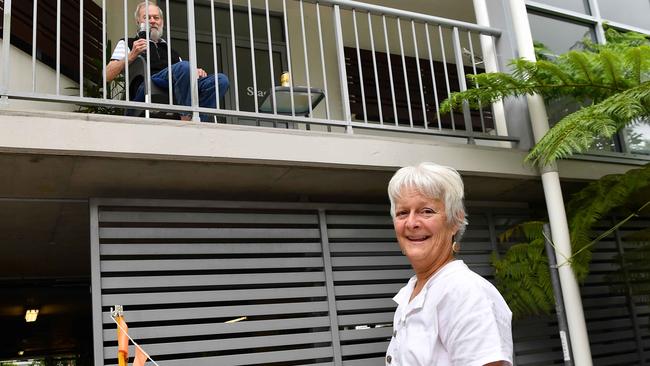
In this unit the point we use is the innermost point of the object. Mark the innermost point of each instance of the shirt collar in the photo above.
(404, 293)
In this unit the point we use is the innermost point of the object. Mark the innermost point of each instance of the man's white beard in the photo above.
(155, 34)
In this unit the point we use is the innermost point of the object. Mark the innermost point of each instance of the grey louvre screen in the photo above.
(314, 281)
(368, 270)
(182, 272)
(617, 319)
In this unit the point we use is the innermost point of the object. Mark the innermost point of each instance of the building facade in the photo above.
(275, 214)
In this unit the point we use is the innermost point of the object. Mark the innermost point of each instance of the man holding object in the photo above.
(158, 50)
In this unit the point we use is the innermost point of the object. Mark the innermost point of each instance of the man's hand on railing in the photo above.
(201, 73)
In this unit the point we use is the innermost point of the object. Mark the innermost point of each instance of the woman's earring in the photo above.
(455, 247)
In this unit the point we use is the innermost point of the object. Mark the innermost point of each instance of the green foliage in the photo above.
(522, 274)
(613, 79)
(93, 87)
(589, 205)
(576, 132)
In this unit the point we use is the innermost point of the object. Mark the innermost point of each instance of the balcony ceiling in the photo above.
(44, 212)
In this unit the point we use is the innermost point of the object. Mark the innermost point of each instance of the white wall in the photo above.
(20, 80)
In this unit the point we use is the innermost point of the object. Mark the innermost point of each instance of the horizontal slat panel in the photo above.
(220, 328)
(397, 274)
(357, 334)
(210, 280)
(369, 261)
(344, 305)
(365, 362)
(364, 348)
(254, 357)
(160, 298)
(390, 288)
(186, 249)
(206, 217)
(366, 319)
(364, 247)
(539, 344)
(208, 264)
(360, 220)
(220, 312)
(360, 233)
(472, 259)
(227, 344)
(206, 233)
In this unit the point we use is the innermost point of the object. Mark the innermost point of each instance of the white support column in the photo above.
(491, 65)
(554, 201)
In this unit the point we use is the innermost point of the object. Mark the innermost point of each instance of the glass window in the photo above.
(559, 36)
(637, 137)
(580, 6)
(631, 12)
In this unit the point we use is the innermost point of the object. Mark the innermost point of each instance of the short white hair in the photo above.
(141, 5)
(435, 182)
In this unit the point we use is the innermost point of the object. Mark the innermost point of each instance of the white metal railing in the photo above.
(378, 67)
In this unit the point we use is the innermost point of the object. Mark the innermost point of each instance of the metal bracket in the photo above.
(116, 311)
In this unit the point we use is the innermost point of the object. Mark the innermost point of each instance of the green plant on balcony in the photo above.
(612, 83)
(93, 88)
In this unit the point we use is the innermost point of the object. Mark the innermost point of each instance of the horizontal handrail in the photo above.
(384, 10)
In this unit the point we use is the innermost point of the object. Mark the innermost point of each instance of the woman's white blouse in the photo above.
(458, 319)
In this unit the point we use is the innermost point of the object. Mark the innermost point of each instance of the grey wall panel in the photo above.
(205, 233)
(222, 328)
(221, 312)
(157, 265)
(205, 217)
(372, 275)
(374, 361)
(208, 280)
(383, 289)
(355, 334)
(225, 344)
(206, 249)
(182, 272)
(365, 247)
(184, 268)
(366, 318)
(251, 358)
(152, 298)
(366, 348)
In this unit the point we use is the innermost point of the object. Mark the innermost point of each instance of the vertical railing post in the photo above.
(81, 48)
(34, 39)
(126, 57)
(6, 57)
(488, 49)
(343, 77)
(169, 54)
(147, 79)
(191, 32)
(462, 83)
(234, 54)
(58, 47)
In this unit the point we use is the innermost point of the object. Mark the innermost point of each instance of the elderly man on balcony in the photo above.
(180, 69)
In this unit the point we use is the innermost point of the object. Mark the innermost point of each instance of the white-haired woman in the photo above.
(446, 314)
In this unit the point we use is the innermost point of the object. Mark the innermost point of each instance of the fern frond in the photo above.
(575, 132)
(589, 206)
